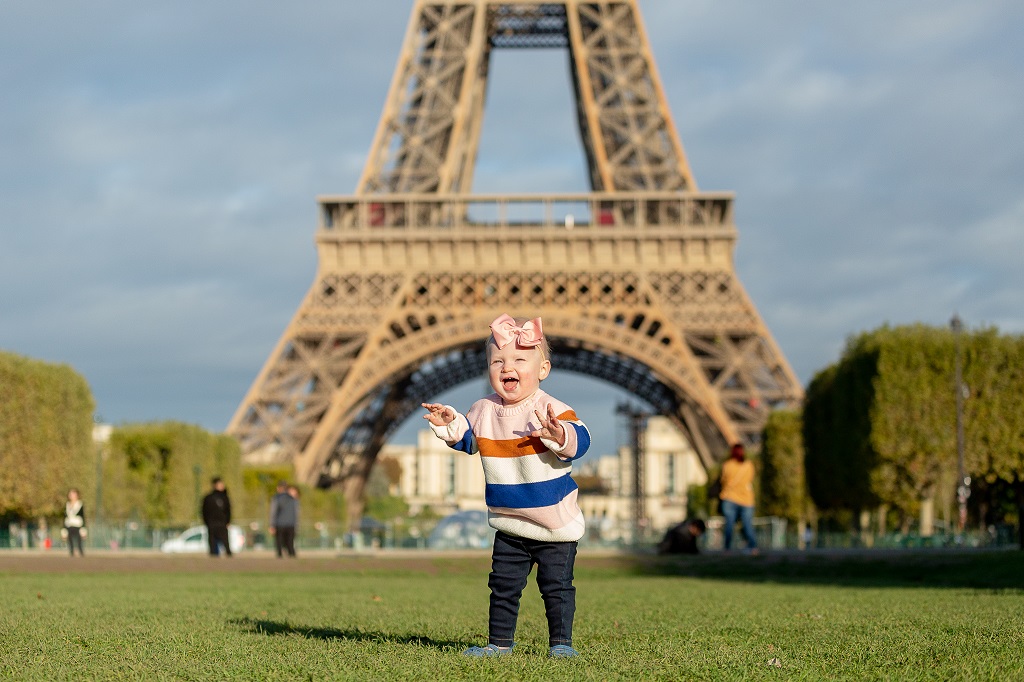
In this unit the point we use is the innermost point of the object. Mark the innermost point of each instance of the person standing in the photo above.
(738, 496)
(284, 515)
(74, 522)
(217, 516)
(527, 441)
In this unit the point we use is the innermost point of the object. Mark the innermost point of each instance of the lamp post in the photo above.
(637, 420)
(963, 481)
(196, 473)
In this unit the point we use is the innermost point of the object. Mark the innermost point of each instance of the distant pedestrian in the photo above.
(808, 536)
(217, 516)
(738, 496)
(284, 516)
(74, 522)
(682, 538)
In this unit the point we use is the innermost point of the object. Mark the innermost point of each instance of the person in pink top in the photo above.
(527, 441)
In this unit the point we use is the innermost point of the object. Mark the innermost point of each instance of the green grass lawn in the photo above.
(913, 616)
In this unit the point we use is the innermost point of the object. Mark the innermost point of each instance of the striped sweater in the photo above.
(529, 490)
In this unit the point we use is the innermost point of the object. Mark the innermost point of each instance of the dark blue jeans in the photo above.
(511, 562)
(731, 510)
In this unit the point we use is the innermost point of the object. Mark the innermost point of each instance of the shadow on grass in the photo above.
(971, 569)
(269, 627)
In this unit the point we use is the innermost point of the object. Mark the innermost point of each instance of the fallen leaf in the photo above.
(775, 663)
(377, 598)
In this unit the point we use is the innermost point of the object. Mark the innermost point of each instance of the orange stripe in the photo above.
(520, 447)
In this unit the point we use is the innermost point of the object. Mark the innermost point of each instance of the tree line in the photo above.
(154, 473)
(877, 432)
(875, 436)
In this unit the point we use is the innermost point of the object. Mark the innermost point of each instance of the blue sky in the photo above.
(159, 165)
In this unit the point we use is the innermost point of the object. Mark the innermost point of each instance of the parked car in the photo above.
(462, 530)
(194, 540)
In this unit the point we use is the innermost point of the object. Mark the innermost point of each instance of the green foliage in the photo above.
(386, 508)
(158, 473)
(914, 413)
(45, 436)
(994, 374)
(259, 483)
(318, 504)
(819, 425)
(428, 514)
(879, 425)
(381, 504)
(783, 484)
(697, 502)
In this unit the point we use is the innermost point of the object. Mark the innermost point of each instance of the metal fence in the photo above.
(772, 533)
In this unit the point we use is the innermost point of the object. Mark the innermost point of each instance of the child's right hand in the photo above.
(438, 414)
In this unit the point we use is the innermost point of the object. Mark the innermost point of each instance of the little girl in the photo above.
(527, 441)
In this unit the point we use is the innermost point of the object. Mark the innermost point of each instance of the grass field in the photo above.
(898, 616)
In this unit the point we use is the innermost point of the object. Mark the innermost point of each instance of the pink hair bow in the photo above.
(505, 331)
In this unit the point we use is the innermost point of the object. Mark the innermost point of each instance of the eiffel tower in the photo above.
(634, 279)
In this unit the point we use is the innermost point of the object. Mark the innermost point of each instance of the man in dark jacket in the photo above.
(284, 516)
(682, 538)
(217, 516)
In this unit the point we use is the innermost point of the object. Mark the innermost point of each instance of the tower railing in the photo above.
(593, 211)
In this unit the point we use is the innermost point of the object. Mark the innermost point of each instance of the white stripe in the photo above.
(526, 469)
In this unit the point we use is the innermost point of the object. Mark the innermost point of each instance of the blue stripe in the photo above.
(529, 495)
(464, 445)
(582, 441)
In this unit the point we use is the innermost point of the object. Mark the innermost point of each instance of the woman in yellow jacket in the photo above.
(738, 496)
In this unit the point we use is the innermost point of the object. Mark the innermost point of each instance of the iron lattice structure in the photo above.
(635, 279)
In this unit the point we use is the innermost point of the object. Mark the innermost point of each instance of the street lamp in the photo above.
(963, 483)
(197, 471)
(637, 420)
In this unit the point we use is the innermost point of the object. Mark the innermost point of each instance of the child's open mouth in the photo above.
(509, 383)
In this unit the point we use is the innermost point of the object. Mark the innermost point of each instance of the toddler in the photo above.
(527, 441)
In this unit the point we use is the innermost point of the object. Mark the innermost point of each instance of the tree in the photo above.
(384, 478)
(46, 418)
(319, 504)
(259, 484)
(994, 448)
(819, 428)
(879, 424)
(158, 473)
(783, 484)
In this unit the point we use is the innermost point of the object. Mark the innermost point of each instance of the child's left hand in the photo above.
(550, 427)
